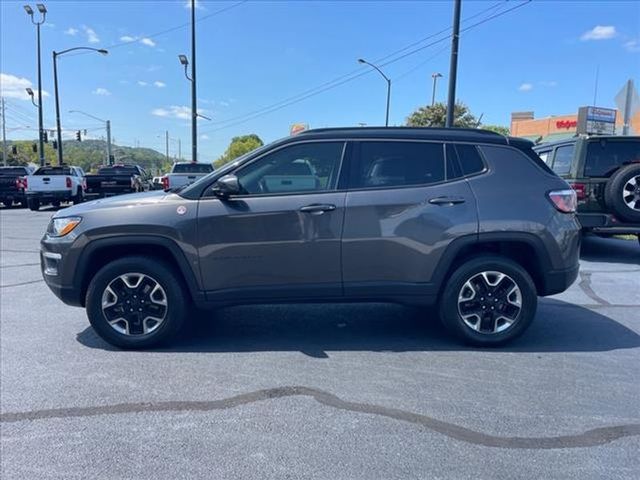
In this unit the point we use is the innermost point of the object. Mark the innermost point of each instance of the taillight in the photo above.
(68, 182)
(165, 183)
(565, 201)
(581, 190)
(84, 183)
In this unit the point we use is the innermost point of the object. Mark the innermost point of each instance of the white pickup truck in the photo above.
(53, 185)
(184, 173)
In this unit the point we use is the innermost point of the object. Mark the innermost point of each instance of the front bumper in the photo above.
(603, 223)
(56, 270)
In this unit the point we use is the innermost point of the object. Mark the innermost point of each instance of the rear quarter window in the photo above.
(193, 168)
(605, 156)
(470, 160)
(563, 159)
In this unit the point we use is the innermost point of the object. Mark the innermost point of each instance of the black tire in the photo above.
(450, 312)
(55, 204)
(33, 204)
(23, 204)
(616, 188)
(175, 293)
(79, 198)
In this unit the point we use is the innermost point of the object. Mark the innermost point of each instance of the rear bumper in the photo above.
(50, 196)
(604, 223)
(557, 281)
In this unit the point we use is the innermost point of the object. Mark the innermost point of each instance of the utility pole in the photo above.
(179, 149)
(109, 161)
(4, 135)
(627, 108)
(194, 106)
(435, 77)
(453, 69)
(166, 144)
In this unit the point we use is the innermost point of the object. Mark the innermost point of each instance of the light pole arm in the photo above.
(379, 71)
(99, 50)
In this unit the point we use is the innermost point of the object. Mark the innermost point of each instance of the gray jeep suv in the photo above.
(469, 220)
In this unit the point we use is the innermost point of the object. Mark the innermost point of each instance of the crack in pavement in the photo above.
(22, 265)
(588, 438)
(20, 284)
(585, 285)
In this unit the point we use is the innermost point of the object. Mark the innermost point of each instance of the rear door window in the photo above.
(605, 156)
(51, 171)
(563, 159)
(399, 164)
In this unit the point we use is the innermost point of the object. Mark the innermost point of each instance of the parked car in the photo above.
(12, 185)
(118, 179)
(184, 173)
(156, 183)
(54, 185)
(469, 220)
(605, 173)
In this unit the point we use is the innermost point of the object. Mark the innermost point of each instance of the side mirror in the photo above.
(226, 186)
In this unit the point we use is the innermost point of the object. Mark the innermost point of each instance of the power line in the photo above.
(168, 30)
(397, 78)
(349, 77)
(338, 80)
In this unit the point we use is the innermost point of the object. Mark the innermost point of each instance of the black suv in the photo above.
(605, 173)
(469, 220)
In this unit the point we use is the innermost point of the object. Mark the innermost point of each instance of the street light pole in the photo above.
(57, 96)
(4, 135)
(388, 80)
(43, 12)
(194, 106)
(435, 77)
(453, 68)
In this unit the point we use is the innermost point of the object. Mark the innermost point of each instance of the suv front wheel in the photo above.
(136, 302)
(488, 301)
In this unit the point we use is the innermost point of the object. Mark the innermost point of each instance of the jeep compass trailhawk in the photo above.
(469, 220)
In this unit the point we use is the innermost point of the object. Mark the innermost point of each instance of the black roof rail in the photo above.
(398, 128)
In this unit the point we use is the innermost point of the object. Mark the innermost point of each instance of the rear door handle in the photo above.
(318, 208)
(447, 200)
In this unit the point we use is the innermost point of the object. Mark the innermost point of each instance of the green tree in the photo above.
(497, 128)
(238, 147)
(435, 116)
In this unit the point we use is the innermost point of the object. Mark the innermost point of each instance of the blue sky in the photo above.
(541, 57)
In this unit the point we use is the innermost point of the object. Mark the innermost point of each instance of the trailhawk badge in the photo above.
(181, 210)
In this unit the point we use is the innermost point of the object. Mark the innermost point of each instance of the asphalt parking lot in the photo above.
(326, 392)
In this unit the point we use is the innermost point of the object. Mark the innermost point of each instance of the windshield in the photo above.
(117, 171)
(192, 168)
(14, 171)
(50, 171)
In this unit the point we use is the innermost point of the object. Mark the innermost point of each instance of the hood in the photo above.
(129, 200)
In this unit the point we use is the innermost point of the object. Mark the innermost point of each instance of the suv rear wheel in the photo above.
(622, 193)
(488, 301)
(136, 302)
(33, 204)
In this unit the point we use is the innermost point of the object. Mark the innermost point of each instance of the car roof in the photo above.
(570, 140)
(422, 133)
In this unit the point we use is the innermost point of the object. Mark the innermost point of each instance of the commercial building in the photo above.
(558, 127)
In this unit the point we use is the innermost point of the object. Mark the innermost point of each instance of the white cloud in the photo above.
(71, 31)
(525, 87)
(127, 38)
(92, 36)
(632, 46)
(141, 83)
(181, 112)
(15, 87)
(148, 42)
(50, 25)
(549, 83)
(204, 137)
(599, 32)
(224, 103)
(159, 84)
(101, 91)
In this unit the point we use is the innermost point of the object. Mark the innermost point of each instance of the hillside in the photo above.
(89, 154)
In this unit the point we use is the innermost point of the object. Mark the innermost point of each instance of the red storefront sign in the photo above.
(566, 124)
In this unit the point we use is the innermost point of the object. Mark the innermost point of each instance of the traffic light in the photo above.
(34, 147)
(45, 136)
(79, 136)
(54, 144)
(14, 149)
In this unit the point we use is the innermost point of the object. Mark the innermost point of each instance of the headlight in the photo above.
(59, 227)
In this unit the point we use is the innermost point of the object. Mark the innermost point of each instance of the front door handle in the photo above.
(446, 200)
(317, 208)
